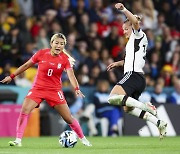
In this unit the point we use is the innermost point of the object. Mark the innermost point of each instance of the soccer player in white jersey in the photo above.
(127, 91)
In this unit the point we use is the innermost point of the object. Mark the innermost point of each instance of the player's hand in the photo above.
(112, 65)
(79, 93)
(6, 80)
(119, 6)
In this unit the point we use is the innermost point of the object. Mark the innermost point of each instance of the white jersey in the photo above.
(135, 52)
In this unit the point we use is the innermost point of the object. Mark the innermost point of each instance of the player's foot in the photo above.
(151, 108)
(14, 143)
(85, 142)
(162, 128)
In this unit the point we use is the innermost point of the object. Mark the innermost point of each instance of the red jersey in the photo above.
(50, 69)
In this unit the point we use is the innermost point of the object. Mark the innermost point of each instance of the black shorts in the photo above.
(133, 84)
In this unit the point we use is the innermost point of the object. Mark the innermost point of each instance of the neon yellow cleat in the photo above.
(14, 143)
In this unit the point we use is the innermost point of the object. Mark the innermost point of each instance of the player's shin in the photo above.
(144, 115)
(76, 128)
(21, 125)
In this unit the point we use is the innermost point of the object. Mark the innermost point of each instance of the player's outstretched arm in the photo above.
(132, 18)
(115, 64)
(21, 69)
(74, 82)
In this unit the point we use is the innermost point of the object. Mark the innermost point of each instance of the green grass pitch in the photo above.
(101, 145)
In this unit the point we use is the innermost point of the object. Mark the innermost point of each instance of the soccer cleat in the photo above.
(151, 108)
(162, 129)
(85, 142)
(14, 143)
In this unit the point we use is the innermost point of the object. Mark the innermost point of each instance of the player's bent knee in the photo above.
(116, 99)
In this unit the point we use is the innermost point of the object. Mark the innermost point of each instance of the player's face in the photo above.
(57, 46)
(127, 28)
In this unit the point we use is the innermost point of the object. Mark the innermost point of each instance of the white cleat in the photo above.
(85, 142)
(162, 129)
(14, 143)
(151, 109)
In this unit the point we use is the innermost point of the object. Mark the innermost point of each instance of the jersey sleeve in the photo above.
(137, 33)
(68, 64)
(36, 57)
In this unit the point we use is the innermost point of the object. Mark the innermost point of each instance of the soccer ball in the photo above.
(68, 139)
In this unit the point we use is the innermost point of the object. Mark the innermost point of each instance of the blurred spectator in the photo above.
(42, 40)
(103, 109)
(17, 56)
(175, 96)
(103, 26)
(158, 31)
(41, 6)
(64, 11)
(112, 39)
(154, 66)
(166, 10)
(79, 9)
(95, 10)
(70, 25)
(151, 39)
(97, 45)
(92, 33)
(117, 22)
(37, 24)
(175, 62)
(166, 74)
(29, 51)
(94, 74)
(137, 7)
(83, 74)
(176, 16)
(25, 25)
(75, 3)
(149, 15)
(83, 26)
(26, 7)
(55, 28)
(158, 96)
(21, 81)
(168, 44)
(93, 59)
(117, 52)
(50, 15)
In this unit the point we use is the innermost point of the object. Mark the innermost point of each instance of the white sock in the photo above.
(149, 117)
(131, 102)
(144, 115)
(18, 140)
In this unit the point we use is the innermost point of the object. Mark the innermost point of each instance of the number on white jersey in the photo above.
(50, 71)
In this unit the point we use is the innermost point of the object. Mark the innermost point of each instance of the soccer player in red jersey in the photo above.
(48, 86)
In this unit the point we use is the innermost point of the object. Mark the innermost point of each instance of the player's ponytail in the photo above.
(71, 59)
(60, 35)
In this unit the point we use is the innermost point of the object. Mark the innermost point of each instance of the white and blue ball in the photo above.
(68, 139)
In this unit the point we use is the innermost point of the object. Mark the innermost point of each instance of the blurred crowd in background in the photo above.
(95, 39)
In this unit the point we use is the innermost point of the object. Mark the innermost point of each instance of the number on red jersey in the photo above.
(50, 71)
